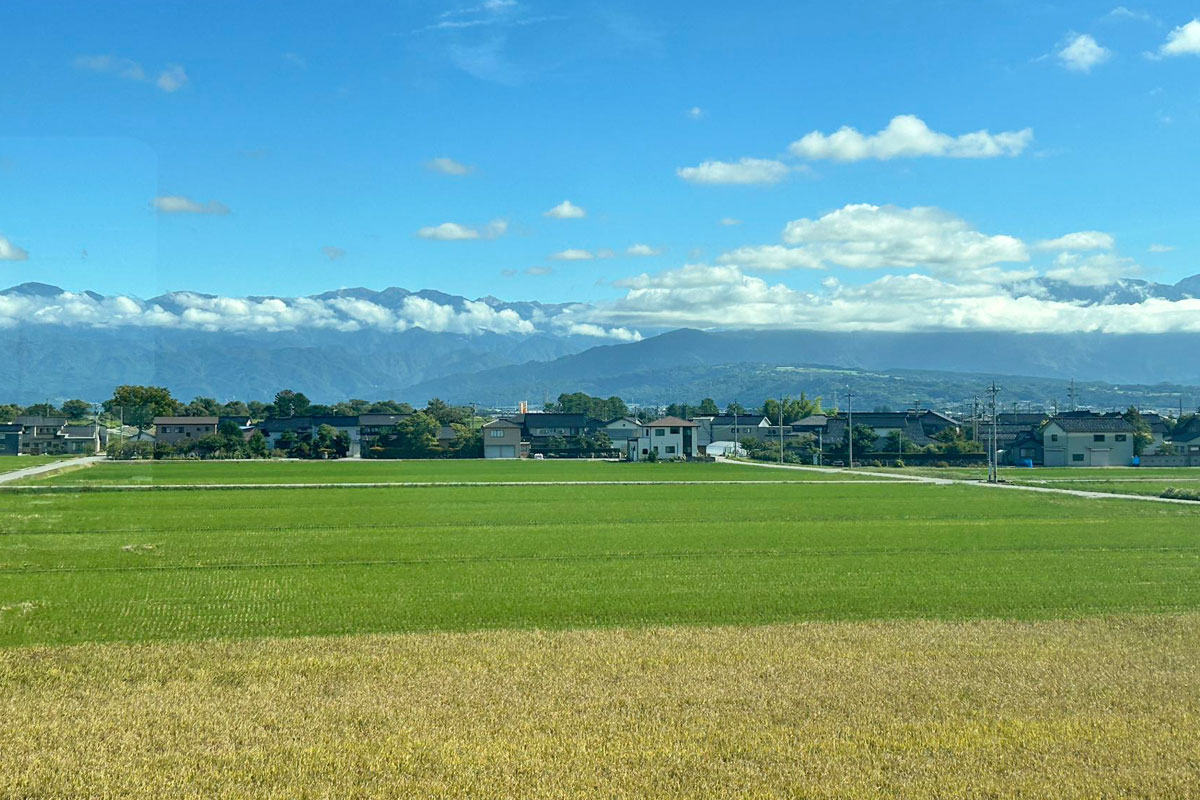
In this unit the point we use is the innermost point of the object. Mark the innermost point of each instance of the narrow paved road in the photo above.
(29, 472)
(959, 481)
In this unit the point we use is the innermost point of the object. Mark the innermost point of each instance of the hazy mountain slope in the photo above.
(677, 365)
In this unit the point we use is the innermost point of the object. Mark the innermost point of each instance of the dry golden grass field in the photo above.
(1097, 708)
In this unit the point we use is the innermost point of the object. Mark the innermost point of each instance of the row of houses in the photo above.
(362, 430)
(43, 436)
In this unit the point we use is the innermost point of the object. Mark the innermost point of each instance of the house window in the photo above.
(1097, 437)
(674, 430)
(1054, 437)
(670, 448)
(1121, 437)
(497, 434)
(1077, 456)
(660, 431)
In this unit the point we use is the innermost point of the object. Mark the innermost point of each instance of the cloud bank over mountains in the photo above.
(939, 273)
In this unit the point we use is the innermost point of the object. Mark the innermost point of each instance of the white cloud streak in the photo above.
(171, 78)
(10, 252)
(745, 172)
(573, 254)
(178, 204)
(908, 136)
(566, 210)
(454, 232)
(448, 166)
(1082, 240)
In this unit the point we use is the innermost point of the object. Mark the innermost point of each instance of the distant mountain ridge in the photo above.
(48, 360)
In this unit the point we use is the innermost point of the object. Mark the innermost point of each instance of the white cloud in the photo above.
(695, 112)
(122, 67)
(642, 250)
(1095, 270)
(1160, 248)
(908, 136)
(448, 166)
(178, 204)
(171, 79)
(730, 221)
(566, 210)
(573, 254)
(1121, 12)
(599, 332)
(10, 252)
(771, 258)
(747, 171)
(1082, 240)
(539, 270)
(865, 236)
(724, 297)
(333, 253)
(606, 252)
(1184, 40)
(453, 231)
(1081, 52)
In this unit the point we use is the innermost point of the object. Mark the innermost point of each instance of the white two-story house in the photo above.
(666, 438)
(1087, 442)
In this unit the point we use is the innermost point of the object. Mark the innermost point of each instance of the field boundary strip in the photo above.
(966, 482)
(184, 487)
(41, 470)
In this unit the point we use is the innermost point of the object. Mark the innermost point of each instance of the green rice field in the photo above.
(369, 471)
(663, 634)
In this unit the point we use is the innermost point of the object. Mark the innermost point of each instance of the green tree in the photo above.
(202, 407)
(735, 408)
(1143, 437)
(235, 408)
(256, 445)
(864, 439)
(210, 445)
(233, 442)
(42, 410)
(556, 442)
(77, 409)
(139, 405)
(289, 404)
(446, 414)
(389, 407)
(708, 407)
(258, 409)
(9, 412)
(468, 441)
(601, 441)
(415, 436)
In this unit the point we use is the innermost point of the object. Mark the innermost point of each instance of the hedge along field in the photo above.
(111, 566)
(448, 470)
(1098, 708)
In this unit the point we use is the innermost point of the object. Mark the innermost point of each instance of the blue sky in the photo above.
(291, 146)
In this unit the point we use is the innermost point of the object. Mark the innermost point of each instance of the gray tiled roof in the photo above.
(1092, 424)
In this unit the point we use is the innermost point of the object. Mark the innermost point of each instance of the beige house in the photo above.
(173, 430)
(501, 439)
(1087, 442)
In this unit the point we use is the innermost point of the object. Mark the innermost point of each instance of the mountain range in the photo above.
(338, 352)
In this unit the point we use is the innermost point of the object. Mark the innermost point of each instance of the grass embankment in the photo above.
(1064, 709)
(189, 565)
(367, 471)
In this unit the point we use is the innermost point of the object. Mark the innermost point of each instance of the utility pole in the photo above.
(850, 428)
(781, 430)
(993, 467)
(1072, 396)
